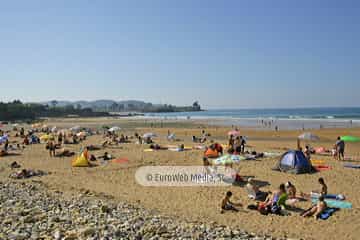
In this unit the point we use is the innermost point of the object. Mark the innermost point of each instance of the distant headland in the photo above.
(17, 110)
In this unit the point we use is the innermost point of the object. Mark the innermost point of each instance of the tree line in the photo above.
(17, 110)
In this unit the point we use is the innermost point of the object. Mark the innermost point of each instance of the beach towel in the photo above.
(322, 167)
(351, 158)
(327, 213)
(120, 160)
(331, 203)
(272, 154)
(148, 150)
(339, 197)
(179, 149)
(320, 150)
(317, 161)
(349, 165)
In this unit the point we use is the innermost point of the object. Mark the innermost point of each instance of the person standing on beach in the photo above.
(242, 144)
(307, 153)
(231, 142)
(340, 148)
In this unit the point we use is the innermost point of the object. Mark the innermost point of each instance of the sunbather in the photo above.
(322, 192)
(254, 191)
(64, 153)
(157, 147)
(317, 209)
(106, 156)
(93, 147)
(291, 190)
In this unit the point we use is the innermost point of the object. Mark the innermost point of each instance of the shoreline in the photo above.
(284, 124)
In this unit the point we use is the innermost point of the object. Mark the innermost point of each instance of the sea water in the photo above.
(296, 118)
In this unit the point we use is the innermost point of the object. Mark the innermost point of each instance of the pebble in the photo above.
(30, 211)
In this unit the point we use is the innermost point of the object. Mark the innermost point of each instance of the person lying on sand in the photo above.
(27, 174)
(254, 191)
(316, 210)
(106, 156)
(64, 153)
(93, 147)
(227, 205)
(322, 192)
(3, 153)
(157, 147)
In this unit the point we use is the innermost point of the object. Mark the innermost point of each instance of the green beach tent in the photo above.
(350, 139)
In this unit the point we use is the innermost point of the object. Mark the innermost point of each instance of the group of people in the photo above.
(277, 201)
(338, 151)
(237, 144)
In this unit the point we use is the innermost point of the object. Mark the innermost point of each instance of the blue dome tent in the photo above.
(294, 162)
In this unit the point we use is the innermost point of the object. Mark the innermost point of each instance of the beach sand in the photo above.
(201, 204)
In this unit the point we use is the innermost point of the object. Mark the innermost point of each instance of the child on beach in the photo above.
(227, 205)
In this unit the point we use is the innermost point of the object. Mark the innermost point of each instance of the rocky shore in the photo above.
(29, 210)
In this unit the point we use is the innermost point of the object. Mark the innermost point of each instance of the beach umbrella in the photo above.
(308, 137)
(234, 133)
(171, 136)
(105, 127)
(149, 135)
(350, 139)
(227, 159)
(114, 129)
(4, 138)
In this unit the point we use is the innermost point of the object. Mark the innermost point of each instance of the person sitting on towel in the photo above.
(227, 205)
(291, 190)
(276, 200)
(322, 192)
(316, 210)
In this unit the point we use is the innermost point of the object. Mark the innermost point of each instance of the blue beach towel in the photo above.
(331, 203)
(327, 213)
(349, 165)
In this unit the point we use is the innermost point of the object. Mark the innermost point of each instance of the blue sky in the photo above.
(223, 53)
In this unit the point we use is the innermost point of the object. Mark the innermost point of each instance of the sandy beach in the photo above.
(201, 204)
